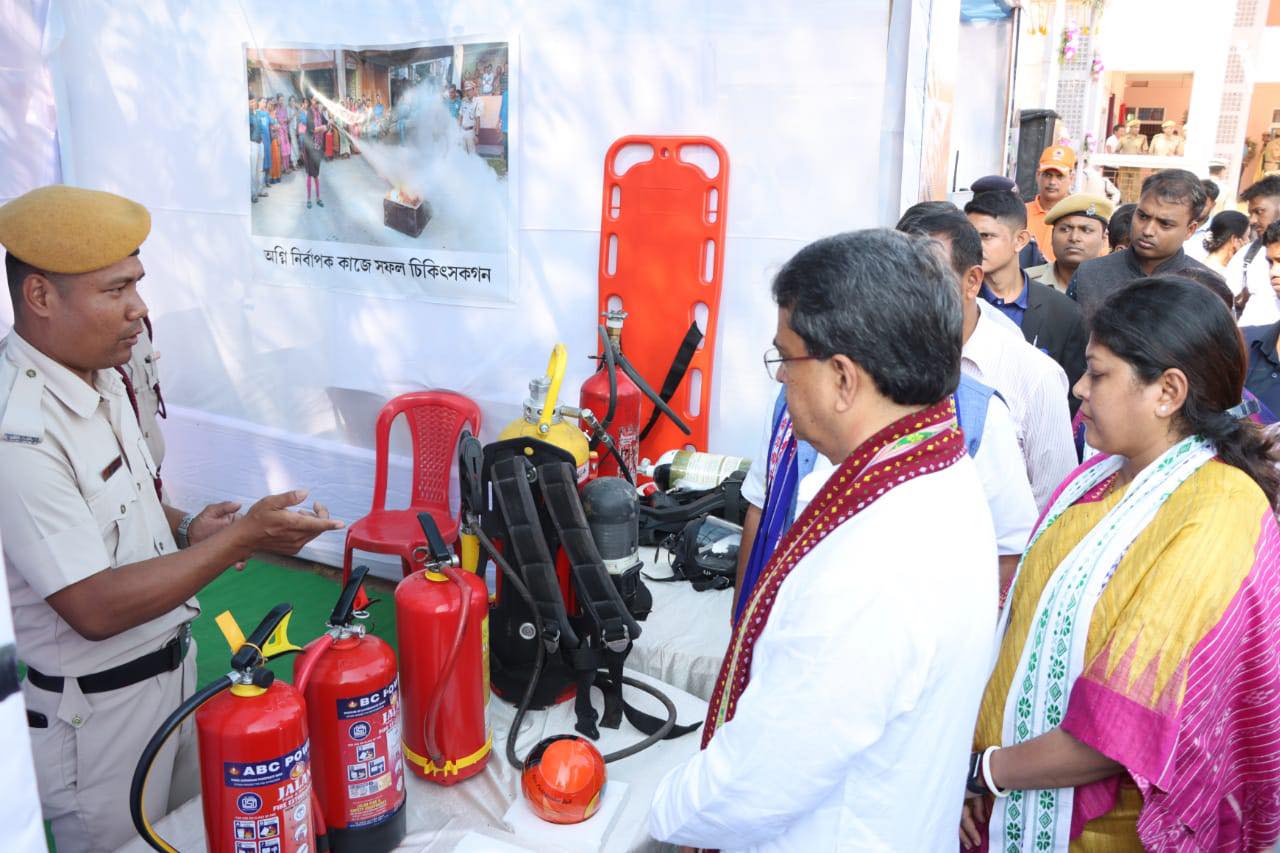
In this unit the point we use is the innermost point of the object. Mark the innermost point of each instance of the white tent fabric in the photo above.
(273, 387)
(20, 806)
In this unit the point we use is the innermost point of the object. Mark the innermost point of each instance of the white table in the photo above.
(439, 817)
(683, 641)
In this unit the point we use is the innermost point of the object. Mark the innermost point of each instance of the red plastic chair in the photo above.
(436, 420)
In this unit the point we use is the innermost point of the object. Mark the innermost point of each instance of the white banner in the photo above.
(385, 169)
(462, 277)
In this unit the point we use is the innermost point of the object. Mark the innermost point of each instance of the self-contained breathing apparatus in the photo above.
(569, 595)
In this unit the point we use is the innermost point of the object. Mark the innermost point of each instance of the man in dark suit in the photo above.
(1164, 219)
(1048, 319)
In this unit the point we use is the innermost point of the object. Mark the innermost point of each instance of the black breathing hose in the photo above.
(539, 659)
(611, 366)
(138, 788)
(653, 395)
(539, 662)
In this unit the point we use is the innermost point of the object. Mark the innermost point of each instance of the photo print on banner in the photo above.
(384, 170)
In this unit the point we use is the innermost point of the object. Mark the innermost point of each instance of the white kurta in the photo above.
(855, 729)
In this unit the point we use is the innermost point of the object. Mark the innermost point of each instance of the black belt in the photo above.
(164, 659)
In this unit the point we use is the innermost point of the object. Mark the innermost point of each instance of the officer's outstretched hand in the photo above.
(270, 525)
(211, 519)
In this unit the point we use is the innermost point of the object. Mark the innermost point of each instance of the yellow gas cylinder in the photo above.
(543, 419)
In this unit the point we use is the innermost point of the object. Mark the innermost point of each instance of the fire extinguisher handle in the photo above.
(435, 542)
(470, 463)
(250, 653)
(343, 611)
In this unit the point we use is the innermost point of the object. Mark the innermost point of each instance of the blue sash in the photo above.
(782, 480)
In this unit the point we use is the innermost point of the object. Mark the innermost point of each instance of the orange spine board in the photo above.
(662, 236)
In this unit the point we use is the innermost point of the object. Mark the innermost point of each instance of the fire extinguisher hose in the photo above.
(310, 657)
(437, 697)
(138, 788)
(322, 828)
(540, 659)
(610, 365)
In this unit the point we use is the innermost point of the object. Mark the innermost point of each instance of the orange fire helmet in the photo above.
(563, 778)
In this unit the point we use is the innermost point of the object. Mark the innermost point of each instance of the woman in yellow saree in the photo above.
(1135, 699)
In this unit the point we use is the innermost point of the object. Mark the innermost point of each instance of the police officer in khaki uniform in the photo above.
(144, 381)
(102, 574)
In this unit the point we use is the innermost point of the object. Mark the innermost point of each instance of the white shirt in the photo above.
(470, 113)
(855, 729)
(1000, 468)
(78, 499)
(1194, 245)
(1263, 307)
(1035, 387)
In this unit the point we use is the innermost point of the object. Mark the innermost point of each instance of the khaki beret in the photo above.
(1094, 206)
(71, 230)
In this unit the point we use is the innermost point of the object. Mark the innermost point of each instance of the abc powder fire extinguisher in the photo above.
(348, 679)
(255, 764)
(442, 624)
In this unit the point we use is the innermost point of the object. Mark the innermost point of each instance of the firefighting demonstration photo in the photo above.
(374, 164)
(640, 426)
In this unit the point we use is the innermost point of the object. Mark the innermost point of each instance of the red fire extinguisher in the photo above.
(348, 679)
(613, 394)
(442, 622)
(615, 399)
(255, 754)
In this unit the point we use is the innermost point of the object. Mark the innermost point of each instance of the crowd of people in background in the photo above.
(1113, 384)
(291, 133)
(288, 135)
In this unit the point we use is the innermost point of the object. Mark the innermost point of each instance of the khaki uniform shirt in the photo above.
(78, 499)
(1134, 143)
(145, 378)
(1044, 274)
(1167, 145)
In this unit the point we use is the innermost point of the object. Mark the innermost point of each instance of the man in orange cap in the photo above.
(1053, 184)
(102, 573)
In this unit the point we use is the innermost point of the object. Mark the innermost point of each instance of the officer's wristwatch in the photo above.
(183, 527)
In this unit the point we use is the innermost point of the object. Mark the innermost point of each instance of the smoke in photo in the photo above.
(393, 132)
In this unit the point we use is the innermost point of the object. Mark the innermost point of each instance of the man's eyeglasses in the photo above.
(773, 361)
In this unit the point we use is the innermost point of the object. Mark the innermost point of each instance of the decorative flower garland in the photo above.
(1070, 42)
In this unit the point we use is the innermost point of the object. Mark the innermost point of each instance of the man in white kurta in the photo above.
(853, 732)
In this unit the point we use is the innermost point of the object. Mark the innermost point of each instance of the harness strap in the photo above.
(529, 549)
(597, 593)
(675, 374)
(612, 626)
(641, 721)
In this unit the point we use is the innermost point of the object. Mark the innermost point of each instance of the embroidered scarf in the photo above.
(1053, 656)
(926, 441)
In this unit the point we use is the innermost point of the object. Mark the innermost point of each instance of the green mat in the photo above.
(251, 593)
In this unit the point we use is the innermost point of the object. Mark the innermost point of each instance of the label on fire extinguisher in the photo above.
(629, 446)
(270, 802)
(371, 757)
